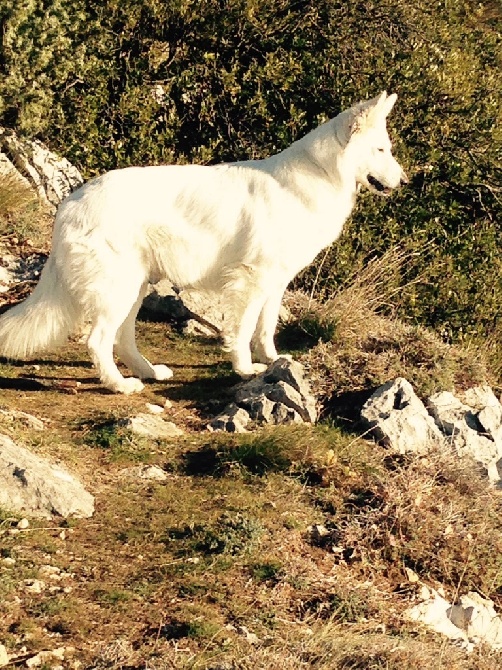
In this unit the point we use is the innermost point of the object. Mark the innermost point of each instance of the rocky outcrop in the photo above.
(32, 164)
(473, 427)
(470, 425)
(32, 485)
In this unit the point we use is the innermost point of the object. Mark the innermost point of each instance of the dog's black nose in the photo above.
(404, 179)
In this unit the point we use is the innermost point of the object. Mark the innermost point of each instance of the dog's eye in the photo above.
(382, 150)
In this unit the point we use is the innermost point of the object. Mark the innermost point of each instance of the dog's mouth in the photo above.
(378, 186)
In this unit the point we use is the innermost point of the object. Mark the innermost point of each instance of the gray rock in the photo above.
(472, 427)
(280, 395)
(4, 656)
(260, 408)
(474, 430)
(194, 312)
(489, 410)
(472, 620)
(288, 371)
(399, 419)
(14, 270)
(283, 415)
(289, 397)
(150, 425)
(233, 420)
(252, 390)
(478, 618)
(32, 485)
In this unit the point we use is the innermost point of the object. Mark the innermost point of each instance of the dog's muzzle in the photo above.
(378, 186)
(382, 188)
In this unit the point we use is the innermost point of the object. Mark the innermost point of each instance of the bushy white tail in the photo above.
(43, 321)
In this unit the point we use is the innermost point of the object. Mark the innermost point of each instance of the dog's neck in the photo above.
(315, 168)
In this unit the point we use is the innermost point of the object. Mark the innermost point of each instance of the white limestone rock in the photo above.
(33, 486)
(399, 419)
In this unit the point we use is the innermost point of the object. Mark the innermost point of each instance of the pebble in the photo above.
(154, 409)
(34, 585)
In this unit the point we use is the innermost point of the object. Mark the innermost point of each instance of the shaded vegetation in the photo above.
(113, 83)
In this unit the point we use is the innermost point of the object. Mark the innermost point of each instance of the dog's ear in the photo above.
(384, 103)
(370, 111)
(388, 103)
(379, 101)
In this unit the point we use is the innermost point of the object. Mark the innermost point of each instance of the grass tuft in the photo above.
(231, 533)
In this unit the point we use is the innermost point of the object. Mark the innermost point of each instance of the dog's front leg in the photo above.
(239, 342)
(263, 340)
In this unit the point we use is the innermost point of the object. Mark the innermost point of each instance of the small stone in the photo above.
(50, 571)
(168, 404)
(252, 638)
(151, 472)
(34, 585)
(412, 576)
(23, 524)
(154, 409)
(8, 562)
(46, 657)
(151, 426)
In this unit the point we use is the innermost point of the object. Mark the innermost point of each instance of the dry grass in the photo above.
(223, 566)
(352, 342)
(23, 220)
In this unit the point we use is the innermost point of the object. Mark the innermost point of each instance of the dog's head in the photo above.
(370, 147)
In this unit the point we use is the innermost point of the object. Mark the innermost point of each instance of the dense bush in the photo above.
(118, 82)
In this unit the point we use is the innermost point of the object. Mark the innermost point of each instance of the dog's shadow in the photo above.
(40, 382)
(207, 395)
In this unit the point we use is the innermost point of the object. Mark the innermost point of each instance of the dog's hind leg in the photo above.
(127, 350)
(263, 340)
(109, 311)
(100, 344)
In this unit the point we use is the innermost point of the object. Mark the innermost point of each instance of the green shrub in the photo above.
(113, 83)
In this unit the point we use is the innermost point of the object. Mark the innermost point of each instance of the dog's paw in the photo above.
(162, 372)
(128, 385)
(256, 369)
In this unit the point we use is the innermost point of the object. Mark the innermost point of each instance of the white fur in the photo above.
(243, 229)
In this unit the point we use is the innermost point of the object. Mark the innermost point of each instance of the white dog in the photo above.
(243, 229)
